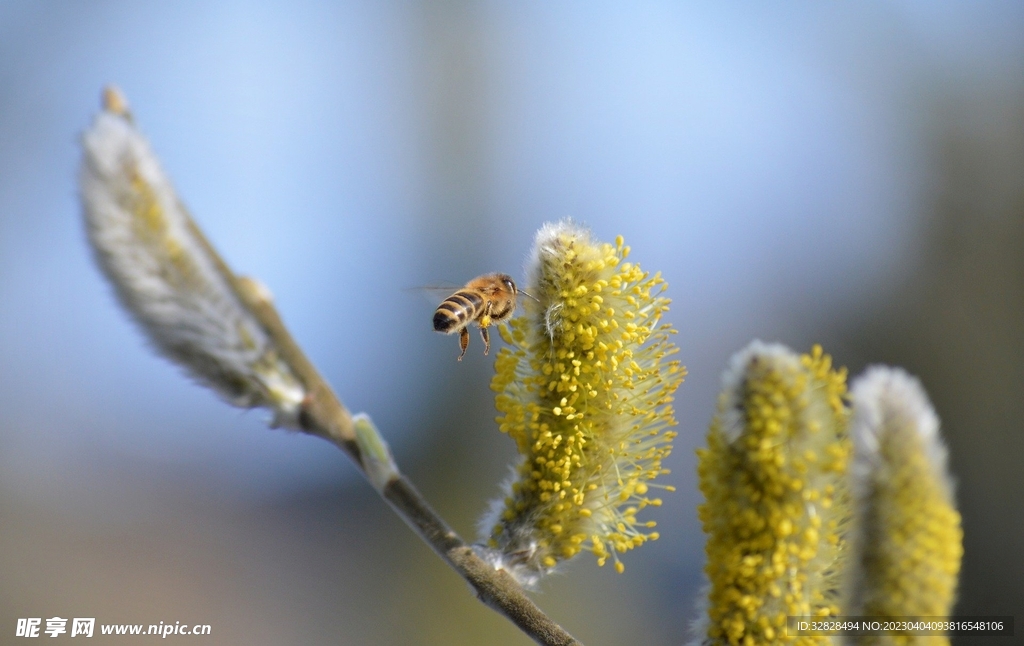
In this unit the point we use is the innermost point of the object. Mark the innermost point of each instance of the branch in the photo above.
(225, 331)
(324, 415)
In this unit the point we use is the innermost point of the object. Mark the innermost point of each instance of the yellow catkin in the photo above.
(908, 539)
(773, 477)
(585, 390)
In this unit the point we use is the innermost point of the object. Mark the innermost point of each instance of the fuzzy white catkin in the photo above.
(885, 398)
(908, 542)
(166, 274)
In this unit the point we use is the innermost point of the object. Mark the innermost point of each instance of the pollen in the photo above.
(585, 390)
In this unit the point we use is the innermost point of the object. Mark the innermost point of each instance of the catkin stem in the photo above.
(325, 416)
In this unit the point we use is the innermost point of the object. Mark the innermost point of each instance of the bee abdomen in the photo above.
(444, 320)
(457, 310)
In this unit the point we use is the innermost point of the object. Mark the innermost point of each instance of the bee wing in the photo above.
(434, 294)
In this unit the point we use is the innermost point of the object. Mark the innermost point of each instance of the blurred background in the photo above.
(845, 174)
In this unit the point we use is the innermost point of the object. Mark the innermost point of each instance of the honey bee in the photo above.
(485, 300)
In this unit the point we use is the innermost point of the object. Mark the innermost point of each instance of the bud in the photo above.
(169, 277)
(585, 390)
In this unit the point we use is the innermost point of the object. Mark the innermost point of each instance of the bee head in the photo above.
(506, 280)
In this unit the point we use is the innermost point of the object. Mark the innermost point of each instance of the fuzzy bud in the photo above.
(169, 277)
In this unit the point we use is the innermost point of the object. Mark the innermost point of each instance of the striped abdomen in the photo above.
(458, 310)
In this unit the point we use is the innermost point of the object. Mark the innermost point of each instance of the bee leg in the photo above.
(463, 342)
(487, 339)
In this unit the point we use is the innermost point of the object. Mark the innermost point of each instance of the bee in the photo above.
(485, 300)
